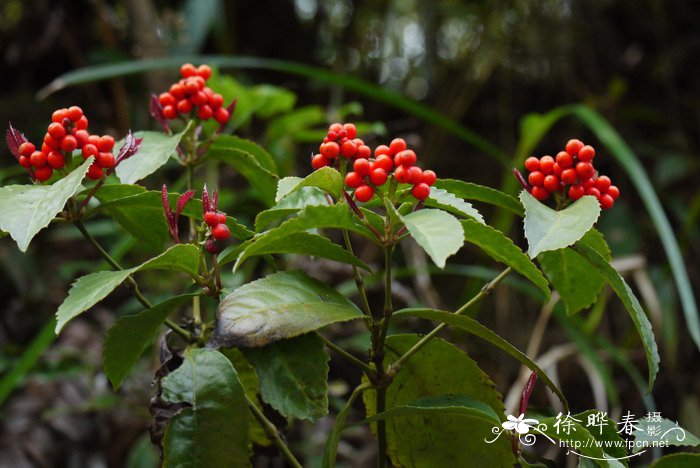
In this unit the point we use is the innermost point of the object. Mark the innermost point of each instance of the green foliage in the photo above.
(445, 200)
(155, 150)
(293, 375)
(27, 209)
(131, 335)
(471, 191)
(439, 233)
(290, 204)
(279, 306)
(547, 229)
(665, 430)
(440, 438)
(678, 460)
(212, 429)
(326, 178)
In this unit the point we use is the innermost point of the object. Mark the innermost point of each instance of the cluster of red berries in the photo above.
(369, 173)
(217, 222)
(66, 133)
(572, 168)
(192, 94)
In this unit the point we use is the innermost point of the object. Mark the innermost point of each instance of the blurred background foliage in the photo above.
(480, 66)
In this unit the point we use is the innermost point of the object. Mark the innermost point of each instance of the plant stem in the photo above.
(485, 291)
(359, 282)
(349, 357)
(131, 283)
(273, 433)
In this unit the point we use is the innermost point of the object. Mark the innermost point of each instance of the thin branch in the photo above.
(273, 433)
(348, 357)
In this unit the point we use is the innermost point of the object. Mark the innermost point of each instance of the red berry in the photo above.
(211, 247)
(191, 87)
(89, 150)
(350, 130)
(169, 112)
(546, 164)
(106, 143)
(407, 157)
(27, 148)
(551, 183)
(540, 193)
(603, 183)
(204, 71)
(330, 149)
(397, 145)
(221, 115)
(429, 177)
(56, 160)
(56, 130)
(187, 70)
(585, 170)
(362, 167)
(536, 178)
(50, 142)
(348, 149)
(576, 192)
(381, 149)
(177, 90)
(319, 161)
(385, 162)
(74, 113)
(211, 218)
(166, 99)
(222, 218)
(402, 174)
(82, 137)
(420, 191)
(331, 136)
(565, 160)
(220, 232)
(593, 191)
(586, 154)
(24, 161)
(205, 112)
(45, 149)
(199, 98)
(614, 192)
(364, 193)
(105, 160)
(353, 180)
(342, 134)
(43, 174)
(568, 176)
(184, 106)
(416, 175)
(363, 151)
(335, 128)
(37, 159)
(82, 123)
(557, 169)
(378, 176)
(588, 183)
(59, 115)
(606, 201)
(95, 172)
(573, 147)
(532, 164)
(94, 140)
(216, 100)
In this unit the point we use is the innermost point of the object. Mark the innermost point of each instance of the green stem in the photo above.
(359, 282)
(273, 433)
(349, 357)
(339, 425)
(485, 291)
(131, 283)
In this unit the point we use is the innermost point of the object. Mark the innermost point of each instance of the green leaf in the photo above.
(547, 229)
(155, 150)
(678, 460)
(293, 376)
(131, 335)
(623, 291)
(264, 159)
(649, 430)
(437, 439)
(261, 179)
(302, 243)
(27, 209)
(439, 233)
(440, 405)
(445, 200)
(326, 178)
(290, 204)
(475, 328)
(279, 306)
(213, 429)
(571, 275)
(285, 186)
(470, 191)
(500, 248)
(91, 289)
(312, 217)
